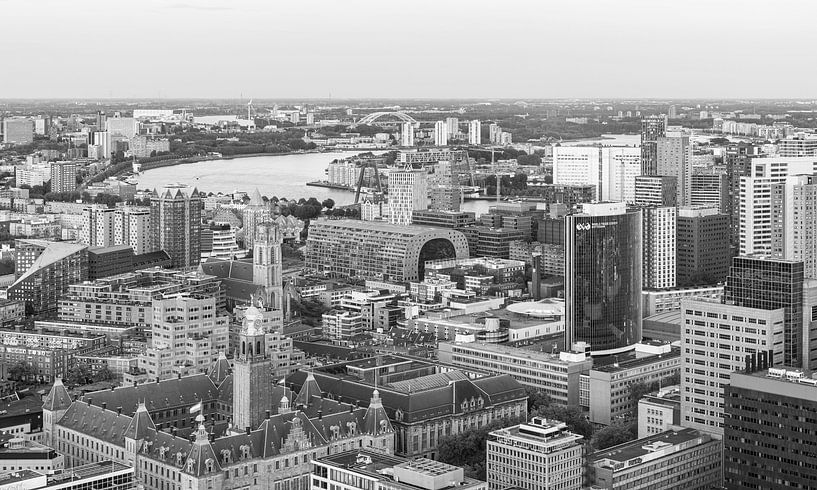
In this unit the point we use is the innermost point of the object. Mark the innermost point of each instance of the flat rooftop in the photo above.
(648, 445)
(631, 363)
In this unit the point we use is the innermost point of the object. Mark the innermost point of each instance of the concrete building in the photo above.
(756, 199)
(659, 247)
(49, 352)
(63, 176)
(679, 458)
(475, 132)
(674, 158)
(146, 146)
(408, 191)
(19, 131)
(535, 455)
(131, 226)
(175, 219)
(350, 248)
(407, 134)
(652, 128)
(665, 300)
(710, 189)
(739, 331)
(656, 190)
(659, 412)
(556, 375)
(440, 133)
(703, 252)
(444, 189)
(800, 145)
(256, 212)
(18, 453)
(611, 169)
(443, 219)
(367, 470)
(43, 272)
(98, 226)
(794, 222)
(611, 384)
(766, 429)
(603, 274)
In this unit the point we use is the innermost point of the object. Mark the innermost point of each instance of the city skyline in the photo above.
(252, 49)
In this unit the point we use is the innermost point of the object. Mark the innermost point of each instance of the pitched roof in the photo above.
(140, 424)
(97, 422)
(256, 199)
(220, 369)
(170, 393)
(309, 389)
(57, 398)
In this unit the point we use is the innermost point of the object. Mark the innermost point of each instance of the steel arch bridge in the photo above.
(370, 118)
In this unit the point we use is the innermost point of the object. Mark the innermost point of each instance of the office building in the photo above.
(738, 161)
(256, 212)
(103, 474)
(569, 195)
(674, 158)
(557, 375)
(703, 253)
(444, 219)
(708, 364)
(494, 242)
(19, 454)
(610, 385)
(652, 128)
(794, 222)
(120, 259)
(408, 191)
(800, 145)
(769, 284)
(710, 189)
(445, 192)
(679, 458)
(656, 190)
(659, 247)
(440, 133)
(611, 169)
(175, 219)
(350, 248)
(43, 272)
(666, 300)
(407, 134)
(475, 132)
(756, 199)
(530, 456)
(769, 429)
(603, 274)
(19, 131)
(658, 412)
(368, 470)
(32, 174)
(63, 176)
(430, 155)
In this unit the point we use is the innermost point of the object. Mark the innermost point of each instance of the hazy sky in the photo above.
(415, 48)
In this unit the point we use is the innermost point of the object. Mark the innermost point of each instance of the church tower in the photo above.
(267, 270)
(252, 371)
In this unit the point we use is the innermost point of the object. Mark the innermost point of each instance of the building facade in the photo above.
(175, 219)
(658, 263)
(408, 191)
(703, 251)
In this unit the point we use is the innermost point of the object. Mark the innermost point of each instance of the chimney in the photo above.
(157, 379)
(90, 401)
(247, 429)
(320, 414)
(112, 387)
(119, 410)
(134, 383)
(351, 408)
(268, 414)
(180, 376)
(104, 405)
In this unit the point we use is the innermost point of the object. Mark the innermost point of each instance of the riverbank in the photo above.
(182, 161)
(329, 185)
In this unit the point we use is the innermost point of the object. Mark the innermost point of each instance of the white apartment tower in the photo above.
(794, 221)
(132, 227)
(674, 157)
(98, 226)
(475, 132)
(658, 264)
(408, 191)
(440, 133)
(716, 338)
(755, 230)
(453, 126)
(612, 170)
(407, 134)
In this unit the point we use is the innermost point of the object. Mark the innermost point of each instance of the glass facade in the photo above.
(769, 284)
(603, 281)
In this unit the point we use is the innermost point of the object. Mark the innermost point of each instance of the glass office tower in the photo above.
(603, 277)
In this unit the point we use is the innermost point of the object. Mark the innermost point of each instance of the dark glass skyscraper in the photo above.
(652, 128)
(769, 284)
(603, 277)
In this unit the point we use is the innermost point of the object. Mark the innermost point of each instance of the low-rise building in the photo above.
(18, 453)
(679, 458)
(660, 411)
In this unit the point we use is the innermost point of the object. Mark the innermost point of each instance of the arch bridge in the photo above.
(374, 116)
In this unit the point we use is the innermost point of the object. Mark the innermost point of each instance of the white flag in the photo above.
(195, 408)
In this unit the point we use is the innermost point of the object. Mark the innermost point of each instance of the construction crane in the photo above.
(363, 167)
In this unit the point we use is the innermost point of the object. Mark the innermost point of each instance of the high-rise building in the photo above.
(495, 133)
(408, 191)
(19, 131)
(710, 189)
(716, 337)
(63, 176)
(267, 265)
(672, 112)
(612, 170)
(658, 247)
(252, 372)
(452, 124)
(769, 429)
(98, 226)
(407, 134)
(440, 133)
(801, 145)
(256, 212)
(652, 128)
(132, 227)
(603, 274)
(738, 161)
(770, 284)
(703, 254)
(445, 193)
(551, 455)
(794, 221)
(475, 132)
(175, 219)
(755, 222)
(44, 270)
(674, 157)
(656, 190)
